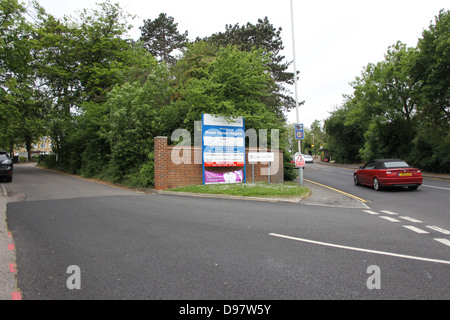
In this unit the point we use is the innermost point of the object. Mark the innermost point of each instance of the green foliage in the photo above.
(250, 190)
(290, 173)
(265, 37)
(134, 120)
(400, 106)
(22, 108)
(233, 84)
(161, 37)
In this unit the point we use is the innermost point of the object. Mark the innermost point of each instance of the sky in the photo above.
(334, 39)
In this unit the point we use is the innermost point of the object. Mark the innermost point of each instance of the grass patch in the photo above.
(286, 190)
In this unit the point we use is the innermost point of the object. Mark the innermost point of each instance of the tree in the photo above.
(431, 70)
(392, 105)
(80, 60)
(400, 106)
(161, 37)
(263, 36)
(344, 137)
(136, 117)
(234, 83)
(21, 101)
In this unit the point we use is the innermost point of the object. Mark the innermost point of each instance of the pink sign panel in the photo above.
(224, 177)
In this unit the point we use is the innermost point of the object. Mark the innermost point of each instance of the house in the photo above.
(40, 147)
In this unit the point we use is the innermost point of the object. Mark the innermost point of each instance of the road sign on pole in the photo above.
(299, 135)
(296, 88)
(299, 161)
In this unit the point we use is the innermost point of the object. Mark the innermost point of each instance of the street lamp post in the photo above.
(296, 88)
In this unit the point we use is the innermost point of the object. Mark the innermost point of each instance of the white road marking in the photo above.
(411, 219)
(438, 229)
(389, 212)
(360, 249)
(370, 212)
(389, 219)
(416, 229)
(442, 188)
(444, 241)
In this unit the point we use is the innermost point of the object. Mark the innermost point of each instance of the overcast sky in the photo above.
(335, 39)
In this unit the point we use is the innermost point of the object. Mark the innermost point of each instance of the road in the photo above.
(430, 203)
(129, 245)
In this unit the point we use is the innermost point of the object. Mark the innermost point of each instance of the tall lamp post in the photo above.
(296, 89)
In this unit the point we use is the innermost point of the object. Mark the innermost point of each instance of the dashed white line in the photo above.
(412, 228)
(416, 229)
(389, 219)
(444, 241)
(411, 219)
(389, 212)
(438, 229)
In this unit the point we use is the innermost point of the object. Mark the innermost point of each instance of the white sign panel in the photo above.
(254, 157)
(212, 120)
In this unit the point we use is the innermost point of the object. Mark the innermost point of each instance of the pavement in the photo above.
(7, 256)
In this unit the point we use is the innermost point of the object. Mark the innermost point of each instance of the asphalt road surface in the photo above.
(128, 245)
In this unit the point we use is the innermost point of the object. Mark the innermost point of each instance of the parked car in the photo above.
(308, 158)
(383, 173)
(6, 166)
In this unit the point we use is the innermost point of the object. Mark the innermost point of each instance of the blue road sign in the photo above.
(299, 135)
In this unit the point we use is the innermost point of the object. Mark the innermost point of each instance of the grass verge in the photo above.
(286, 190)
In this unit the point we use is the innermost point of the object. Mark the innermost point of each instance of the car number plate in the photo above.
(406, 174)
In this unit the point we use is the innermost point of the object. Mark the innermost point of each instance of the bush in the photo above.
(289, 169)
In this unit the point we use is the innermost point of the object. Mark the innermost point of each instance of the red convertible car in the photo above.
(388, 173)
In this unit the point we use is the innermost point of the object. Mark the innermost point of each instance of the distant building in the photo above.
(42, 146)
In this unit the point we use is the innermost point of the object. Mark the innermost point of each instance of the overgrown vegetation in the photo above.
(102, 97)
(400, 107)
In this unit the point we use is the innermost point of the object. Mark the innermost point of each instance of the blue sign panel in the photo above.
(223, 142)
(299, 134)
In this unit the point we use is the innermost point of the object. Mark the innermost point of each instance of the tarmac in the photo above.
(318, 196)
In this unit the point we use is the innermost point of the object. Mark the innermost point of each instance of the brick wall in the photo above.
(170, 175)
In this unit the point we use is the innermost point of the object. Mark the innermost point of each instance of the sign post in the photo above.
(254, 157)
(300, 164)
(296, 84)
(299, 135)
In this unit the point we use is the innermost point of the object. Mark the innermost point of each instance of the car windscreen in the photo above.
(3, 157)
(396, 164)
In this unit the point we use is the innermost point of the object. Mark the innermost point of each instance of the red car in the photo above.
(388, 173)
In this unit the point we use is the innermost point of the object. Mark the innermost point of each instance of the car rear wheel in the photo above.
(356, 180)
(376, 184)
